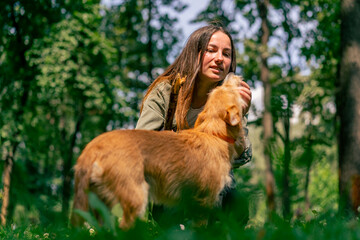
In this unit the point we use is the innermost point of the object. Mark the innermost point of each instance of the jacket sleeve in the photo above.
(155, 107)
(246, 156)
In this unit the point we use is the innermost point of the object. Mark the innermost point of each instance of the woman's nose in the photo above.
(219, 57)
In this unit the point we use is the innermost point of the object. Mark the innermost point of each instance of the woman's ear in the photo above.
(232, 116)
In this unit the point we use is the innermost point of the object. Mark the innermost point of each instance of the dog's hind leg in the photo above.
(133, 202)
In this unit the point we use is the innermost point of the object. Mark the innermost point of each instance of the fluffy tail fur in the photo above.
(82, 178)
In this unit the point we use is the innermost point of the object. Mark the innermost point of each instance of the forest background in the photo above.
(70, 70)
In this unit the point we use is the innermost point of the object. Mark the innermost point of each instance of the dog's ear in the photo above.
(232, 116)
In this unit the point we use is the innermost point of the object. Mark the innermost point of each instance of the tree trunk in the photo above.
(267, 118)
(286, 195)
(68, 162)
(150, 43)
(287, 159)
(307, 176)
(9, 160)
(348, 106)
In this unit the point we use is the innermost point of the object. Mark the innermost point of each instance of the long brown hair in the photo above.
(187, 64)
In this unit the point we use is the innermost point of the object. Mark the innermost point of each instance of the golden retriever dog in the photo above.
(132, 166)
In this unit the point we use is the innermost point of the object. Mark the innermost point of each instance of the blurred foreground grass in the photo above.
(227, 225)
(327, 226)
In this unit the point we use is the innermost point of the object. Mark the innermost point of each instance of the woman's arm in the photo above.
(243, 147)
(242, 156)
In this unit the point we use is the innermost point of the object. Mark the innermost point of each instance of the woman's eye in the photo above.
(226, 54)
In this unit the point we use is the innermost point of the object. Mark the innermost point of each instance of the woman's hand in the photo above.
(245, 94)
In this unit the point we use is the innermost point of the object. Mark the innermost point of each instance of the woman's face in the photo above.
(217, 58)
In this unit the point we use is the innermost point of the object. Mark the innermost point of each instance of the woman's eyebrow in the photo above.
(214, 45)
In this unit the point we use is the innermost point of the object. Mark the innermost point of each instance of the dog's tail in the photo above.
(81, 202)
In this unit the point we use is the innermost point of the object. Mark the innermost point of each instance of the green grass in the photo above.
(327, 226)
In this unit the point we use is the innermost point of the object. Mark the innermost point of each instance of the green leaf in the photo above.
(88, 218)
(96, 204)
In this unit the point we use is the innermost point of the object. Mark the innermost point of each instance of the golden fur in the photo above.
(132, 166)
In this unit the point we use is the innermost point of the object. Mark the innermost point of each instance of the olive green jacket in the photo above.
(154, 112)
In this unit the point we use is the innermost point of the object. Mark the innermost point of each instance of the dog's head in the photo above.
(224, 105)
(233, 81)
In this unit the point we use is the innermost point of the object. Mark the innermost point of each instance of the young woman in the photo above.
(207, 58)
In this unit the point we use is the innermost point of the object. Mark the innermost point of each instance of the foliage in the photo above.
(22, 23)
(293, 90)
(70, 70)
(76, 75)
(145, 39)
(97, 206)
(65, 80)
(215, 13)
(323, 226)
